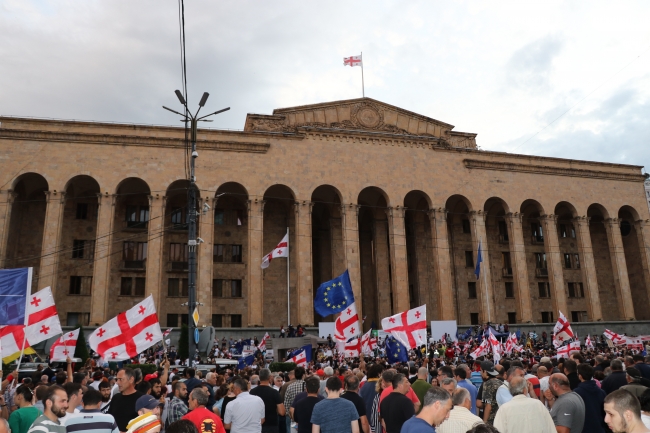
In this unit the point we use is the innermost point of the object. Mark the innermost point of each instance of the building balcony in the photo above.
(133, 265)
(541, 272)
(178, 266)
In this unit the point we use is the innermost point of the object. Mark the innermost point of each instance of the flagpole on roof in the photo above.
(363, 88)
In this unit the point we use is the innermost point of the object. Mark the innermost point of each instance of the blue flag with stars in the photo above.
(334, 296)
(395, 351)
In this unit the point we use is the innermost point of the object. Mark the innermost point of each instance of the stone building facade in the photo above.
(401, 200)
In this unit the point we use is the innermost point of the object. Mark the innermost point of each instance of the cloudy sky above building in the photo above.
(564, 79)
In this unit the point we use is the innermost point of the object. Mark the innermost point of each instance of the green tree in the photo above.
(81, 349)
(183, 344)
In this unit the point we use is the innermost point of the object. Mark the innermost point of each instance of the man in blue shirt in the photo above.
(334, 414)
(460, 374)
(435, 409)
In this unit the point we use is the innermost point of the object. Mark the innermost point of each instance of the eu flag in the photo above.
(14, 288)
(245, 361)
(334, 296)
(395, 351)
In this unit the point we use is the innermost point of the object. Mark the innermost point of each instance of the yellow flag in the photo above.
(15, 356)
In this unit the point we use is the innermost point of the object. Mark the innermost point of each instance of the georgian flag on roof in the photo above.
(347, 324)
(352, 61)
(409, 327)
(562, 331)
(281, 250)
(65, 346)
(42, 317)
(130, 333)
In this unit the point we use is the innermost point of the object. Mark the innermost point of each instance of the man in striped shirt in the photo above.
(55, 404)
(90, 419)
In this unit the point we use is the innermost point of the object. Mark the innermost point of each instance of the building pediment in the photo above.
(359, 116)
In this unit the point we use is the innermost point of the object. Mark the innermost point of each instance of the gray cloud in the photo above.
(530, 66)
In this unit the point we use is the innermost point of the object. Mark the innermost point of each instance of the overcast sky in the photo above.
(503, 70)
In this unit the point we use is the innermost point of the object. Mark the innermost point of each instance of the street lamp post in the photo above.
(193, 240)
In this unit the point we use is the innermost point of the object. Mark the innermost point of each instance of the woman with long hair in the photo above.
(21, 419)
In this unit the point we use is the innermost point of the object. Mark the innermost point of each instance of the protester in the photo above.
(148, 419)
(181, 426)
(623, 413)
(503, 392)
(388, 388)
(489, 391)
(204, 419)
(105, 390)
(396, 408)
(246, 413)
(593, 398)
(21, 419)
(302, 410)
(75, 395)
(567, 407)
(294, 387)
(460, 419)
(420, 385)
(571, 372)
(634, 382)
(90, 418)
(369, 390)
(352, 394)
(55, 403)
(273, 404)
(334, 414)
(645, 408)
(523, 414)
(190, 380)
(177, 406)
(460, 374)
(123, 404)
(616, 379)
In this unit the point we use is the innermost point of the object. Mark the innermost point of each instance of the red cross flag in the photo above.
(300, 359)
(11, 339)
(409, 327)
(562, 331)
(617, 339)
(64, 346)
(128, 334)
(262, 345)
(588, 343)
(281, 250)
(368, 343)
(347, 324)
(352, 61)
(353, 348)
(481, 350)
(563, 352)
(42, 317)
(634, 343)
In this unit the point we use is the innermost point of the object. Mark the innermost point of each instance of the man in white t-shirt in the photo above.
(75, 395)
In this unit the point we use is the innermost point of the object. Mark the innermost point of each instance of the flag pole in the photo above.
(363, 87)
(487, 295)
(288, 282)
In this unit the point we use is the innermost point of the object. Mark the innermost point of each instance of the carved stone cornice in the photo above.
(579, 220)
(552, 171)
(548, 219)
(131, 140)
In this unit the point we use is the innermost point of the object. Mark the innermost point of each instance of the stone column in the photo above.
(48, 269)
(204, 259)
(155, 245)
(485, 289)
(386, 305)
(519, 265)
(588, 267)
(303, 259)
(399, 265)
(554, 263)
(442, 264)
(7, 199)
(254, 261)
(350, 215)
(619, 268)
(643, 235)
(103, 253)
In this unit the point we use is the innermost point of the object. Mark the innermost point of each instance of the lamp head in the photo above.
(179, 95)
(204, 99)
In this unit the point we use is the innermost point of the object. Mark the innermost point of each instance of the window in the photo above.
(503, 231)
(563, 231)
(510, 290)
(217, 253)
(80, 285)
(544, 290)
(172, 320)
(177, 219)
(507, 266)
(126, 286)
(134, 254)
(473, 318)
(75, 319)
(471, 289)
(217, 288)
(82, 249)
(512, 317)
(576, 260)
(469, 259)
(177, 287)
(235, 320)
(466, 227)
(239, 213)
(235, 288)
(576, 290)
(137, 216)
(538, 234)
(626, 228)
(82, 211)
(573, 232)
(567, 261)
(236, 254)
(218, 217)
(547, 317)
(178, 256)
(579, 316)
(140, 283)
(217, 320)
(540, 260)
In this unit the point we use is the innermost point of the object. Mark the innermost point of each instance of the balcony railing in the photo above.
(178, 266)
(137, 224)
(541, 272)
(134, 265)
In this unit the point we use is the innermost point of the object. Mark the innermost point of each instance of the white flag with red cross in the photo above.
(128, 334)
(481, 350)
(563, 352)
(352, 348)
(562, 331)
(409, 327)
(634, 343)
(368, 343)
(42, 317)
(64, 347)
(281, 250)
(352, 61)
(11, 339)
(262, 345)
(347, 324)
(617, 339)
(588, 343)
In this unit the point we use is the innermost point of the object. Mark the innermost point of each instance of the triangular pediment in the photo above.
(358, 115)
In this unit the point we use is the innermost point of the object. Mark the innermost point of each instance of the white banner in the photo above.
(325, 329)
(441, 327)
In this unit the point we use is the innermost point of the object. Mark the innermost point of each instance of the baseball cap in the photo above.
(320, 372)
(488, 367)
(148, 377)
(146, 402)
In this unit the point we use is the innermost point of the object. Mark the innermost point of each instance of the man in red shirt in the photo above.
(204, 420)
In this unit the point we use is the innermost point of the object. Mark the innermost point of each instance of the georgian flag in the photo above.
(481, 350)
(130, 333)
(11, 339)
(300, 359)
(409, 327)
(281, 250)
(563, 352)
(496, 347)
(617, 339)
(574, 345)
(352, 61)
(634, 343)
(262, 345)
(588, 343)
(352, 348)
(562, 331)
(511, 342)
(42, 317)
(368, 343)
(64, 347)
(347, 324)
